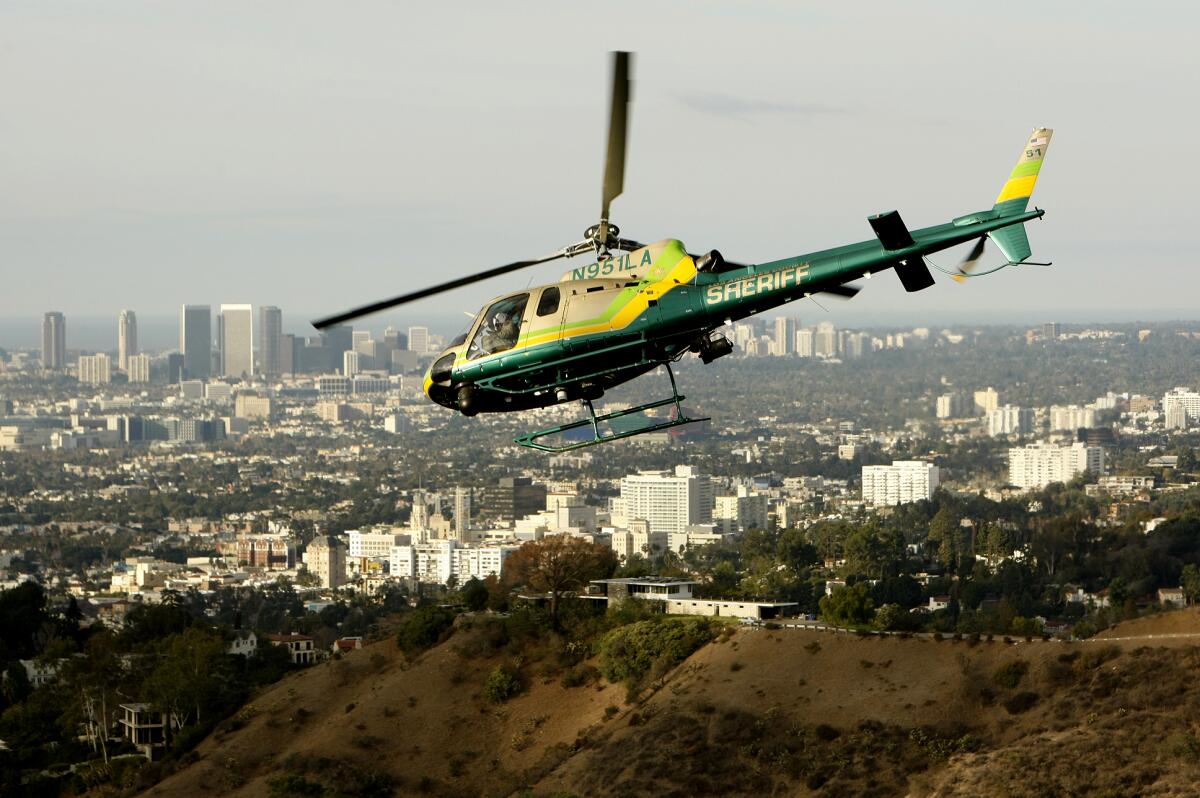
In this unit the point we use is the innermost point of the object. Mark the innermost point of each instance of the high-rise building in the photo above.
(195, 341)
(1010, 420)
(1050, 331)
(1181, 407)
(127, 342)
(338, 339)
(462, 512)
(95, 369)
(290, 354)
(986, 401)
(325, 558)
(512, 498)
(359, 339)
(951, 405)
(668, 501)
(270, 341)
(1071, 417)
(902, 482)
(1039, 464)
(393, 339)
(740, 512)
(825, 342)
(54, 341)
(805, 343)
(350, 360)
(418, 339)
(235, 335)
(138, 368)
(785, 335)
(174, 367)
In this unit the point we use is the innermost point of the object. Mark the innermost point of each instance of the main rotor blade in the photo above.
(375, 307)
(618, 125)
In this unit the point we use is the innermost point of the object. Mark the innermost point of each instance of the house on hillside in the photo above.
(301, 648)
(345, 645)
(143, 726)
(1172, 596)
(243, 644)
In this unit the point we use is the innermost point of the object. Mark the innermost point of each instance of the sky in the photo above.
(318, 156)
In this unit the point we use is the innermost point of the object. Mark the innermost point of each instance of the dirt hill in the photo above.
(763, 712)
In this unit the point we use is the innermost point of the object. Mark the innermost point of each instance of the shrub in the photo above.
(291, 785)
(578, 676)
(424, 627)
(813, 647)
(629, 653)
(1009, 674)
(502, 683)
(1021, 702)
(735, 666)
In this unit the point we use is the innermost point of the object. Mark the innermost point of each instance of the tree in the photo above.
(474, 595)
(189, 678)
(423, 627)
(849, 606)
(558, 565)
(1189, 580)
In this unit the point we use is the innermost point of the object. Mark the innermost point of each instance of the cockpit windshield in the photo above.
(500, 328)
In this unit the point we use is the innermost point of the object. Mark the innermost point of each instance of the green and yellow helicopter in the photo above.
(641, 306)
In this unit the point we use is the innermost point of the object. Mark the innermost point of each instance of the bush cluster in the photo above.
(651, 648)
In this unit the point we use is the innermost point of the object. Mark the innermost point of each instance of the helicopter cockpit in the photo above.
(500, 327)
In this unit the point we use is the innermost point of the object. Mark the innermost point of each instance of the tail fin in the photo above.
(1014, 197)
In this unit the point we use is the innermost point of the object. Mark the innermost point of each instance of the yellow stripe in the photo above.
(1017, 187)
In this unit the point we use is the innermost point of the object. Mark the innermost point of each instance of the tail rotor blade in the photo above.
(618, 125)
(968, 263)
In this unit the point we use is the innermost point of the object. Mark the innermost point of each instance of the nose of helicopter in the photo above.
(438, 379)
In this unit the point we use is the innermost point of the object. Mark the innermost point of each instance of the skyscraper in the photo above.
(127, 344)
(54, 341)
(139, 368)
(270, 340)
(235, 334)
(350, 363)
(95, 369)
(785, 335)
(195, 341)
(462, 513)
(418, 339)
(289, 354)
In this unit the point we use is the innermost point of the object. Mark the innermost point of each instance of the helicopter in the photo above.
(639, 307)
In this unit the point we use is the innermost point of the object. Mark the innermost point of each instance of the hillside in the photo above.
(764, 712)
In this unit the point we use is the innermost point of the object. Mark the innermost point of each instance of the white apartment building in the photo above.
(95, 369)
(138, 367)
(1071, 417)
(668, 501)
(742, 511)
(375, 544)
(902, 482)
(951, 405)
(435, 561)
(1181, 407)
(1039, 464)
(696, 535)
(1010, 420)
(638, 539)
(986, 401)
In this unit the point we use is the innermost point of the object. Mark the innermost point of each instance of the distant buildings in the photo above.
(512, 498)
(986, 401)
(195, 341)
(1039, 464)
(902, 482)
(1071, 417)
(953, 405)
(127, 339)
(742, 511)
(235, 336)
(54, 341)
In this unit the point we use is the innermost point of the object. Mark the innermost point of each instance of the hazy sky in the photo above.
(319, 155)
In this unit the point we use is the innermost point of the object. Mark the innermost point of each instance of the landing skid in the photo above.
(530, 440)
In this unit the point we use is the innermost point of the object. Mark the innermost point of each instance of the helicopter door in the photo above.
(599, 316)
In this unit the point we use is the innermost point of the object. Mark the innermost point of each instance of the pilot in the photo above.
(502, 334)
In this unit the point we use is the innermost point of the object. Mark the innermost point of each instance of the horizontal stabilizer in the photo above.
(914, 275)
(890, 229)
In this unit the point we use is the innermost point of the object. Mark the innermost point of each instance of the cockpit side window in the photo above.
(500, 328)
(548, 304)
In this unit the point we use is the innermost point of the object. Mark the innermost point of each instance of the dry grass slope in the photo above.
(764, 712)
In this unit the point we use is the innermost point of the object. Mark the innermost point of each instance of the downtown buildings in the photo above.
(54, 341)
(127, 338)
